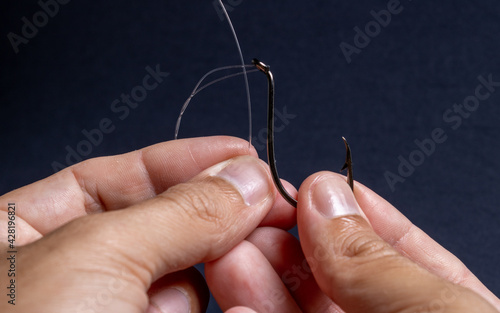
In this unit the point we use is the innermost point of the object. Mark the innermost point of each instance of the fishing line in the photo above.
(244, 73)
(197, 88)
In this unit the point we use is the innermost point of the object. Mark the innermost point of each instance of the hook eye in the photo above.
(260, 65)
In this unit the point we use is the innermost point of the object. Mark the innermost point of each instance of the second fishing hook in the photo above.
(270, 138)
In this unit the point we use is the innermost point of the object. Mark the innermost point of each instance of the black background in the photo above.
(395, 91)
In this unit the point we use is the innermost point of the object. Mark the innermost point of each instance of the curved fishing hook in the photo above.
(270, 138)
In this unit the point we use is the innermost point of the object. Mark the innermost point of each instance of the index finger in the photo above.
(397, 230)
(115, 182)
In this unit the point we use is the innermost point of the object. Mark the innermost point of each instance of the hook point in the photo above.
(348, 164)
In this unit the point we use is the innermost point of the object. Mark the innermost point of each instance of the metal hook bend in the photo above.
(270, 138)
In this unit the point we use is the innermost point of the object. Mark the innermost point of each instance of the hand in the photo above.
(121, 234)
(357, 254)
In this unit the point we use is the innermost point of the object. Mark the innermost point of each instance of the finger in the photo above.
(116, 182)
(243, 277)
(283, 252)
(409, 240)
(194, 222)
(356, 268)
(183, 291)
(240, 309)
(282, 215)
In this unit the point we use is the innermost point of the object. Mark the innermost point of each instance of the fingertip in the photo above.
(230, 272)
(244, 277)
(173, 162)
(183, 291)
(224, 274)
(237, 144)
(248, 175)
(240, 309)
(327, 194)
(169, 300)
(277, 245)
(282, 215)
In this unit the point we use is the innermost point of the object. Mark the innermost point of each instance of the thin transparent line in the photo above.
(244, 74)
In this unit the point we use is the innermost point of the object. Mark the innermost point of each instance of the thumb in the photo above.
(356, 268)
(111, 259)
(193, 222)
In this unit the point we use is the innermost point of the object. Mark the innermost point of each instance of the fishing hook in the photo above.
(270, 138)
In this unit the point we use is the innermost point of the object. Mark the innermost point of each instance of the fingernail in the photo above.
(249, 177)
(333, 201)
(170, 300)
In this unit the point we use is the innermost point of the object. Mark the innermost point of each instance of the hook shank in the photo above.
(270, 133)
(270, 138)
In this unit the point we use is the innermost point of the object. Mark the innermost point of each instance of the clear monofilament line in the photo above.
(244, 73)
(197, 88)
(223, 78)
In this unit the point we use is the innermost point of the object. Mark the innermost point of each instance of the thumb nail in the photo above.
(169, 300)
(331, 199)
(248, 176)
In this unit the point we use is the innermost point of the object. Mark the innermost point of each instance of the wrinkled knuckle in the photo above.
(361, 244)
(193, 203)
(363, 251)
(206, 201)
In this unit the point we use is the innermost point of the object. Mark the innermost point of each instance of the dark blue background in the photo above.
(395, 91)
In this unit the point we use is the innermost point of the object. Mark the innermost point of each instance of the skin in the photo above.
(109, 234)
(376, 261)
